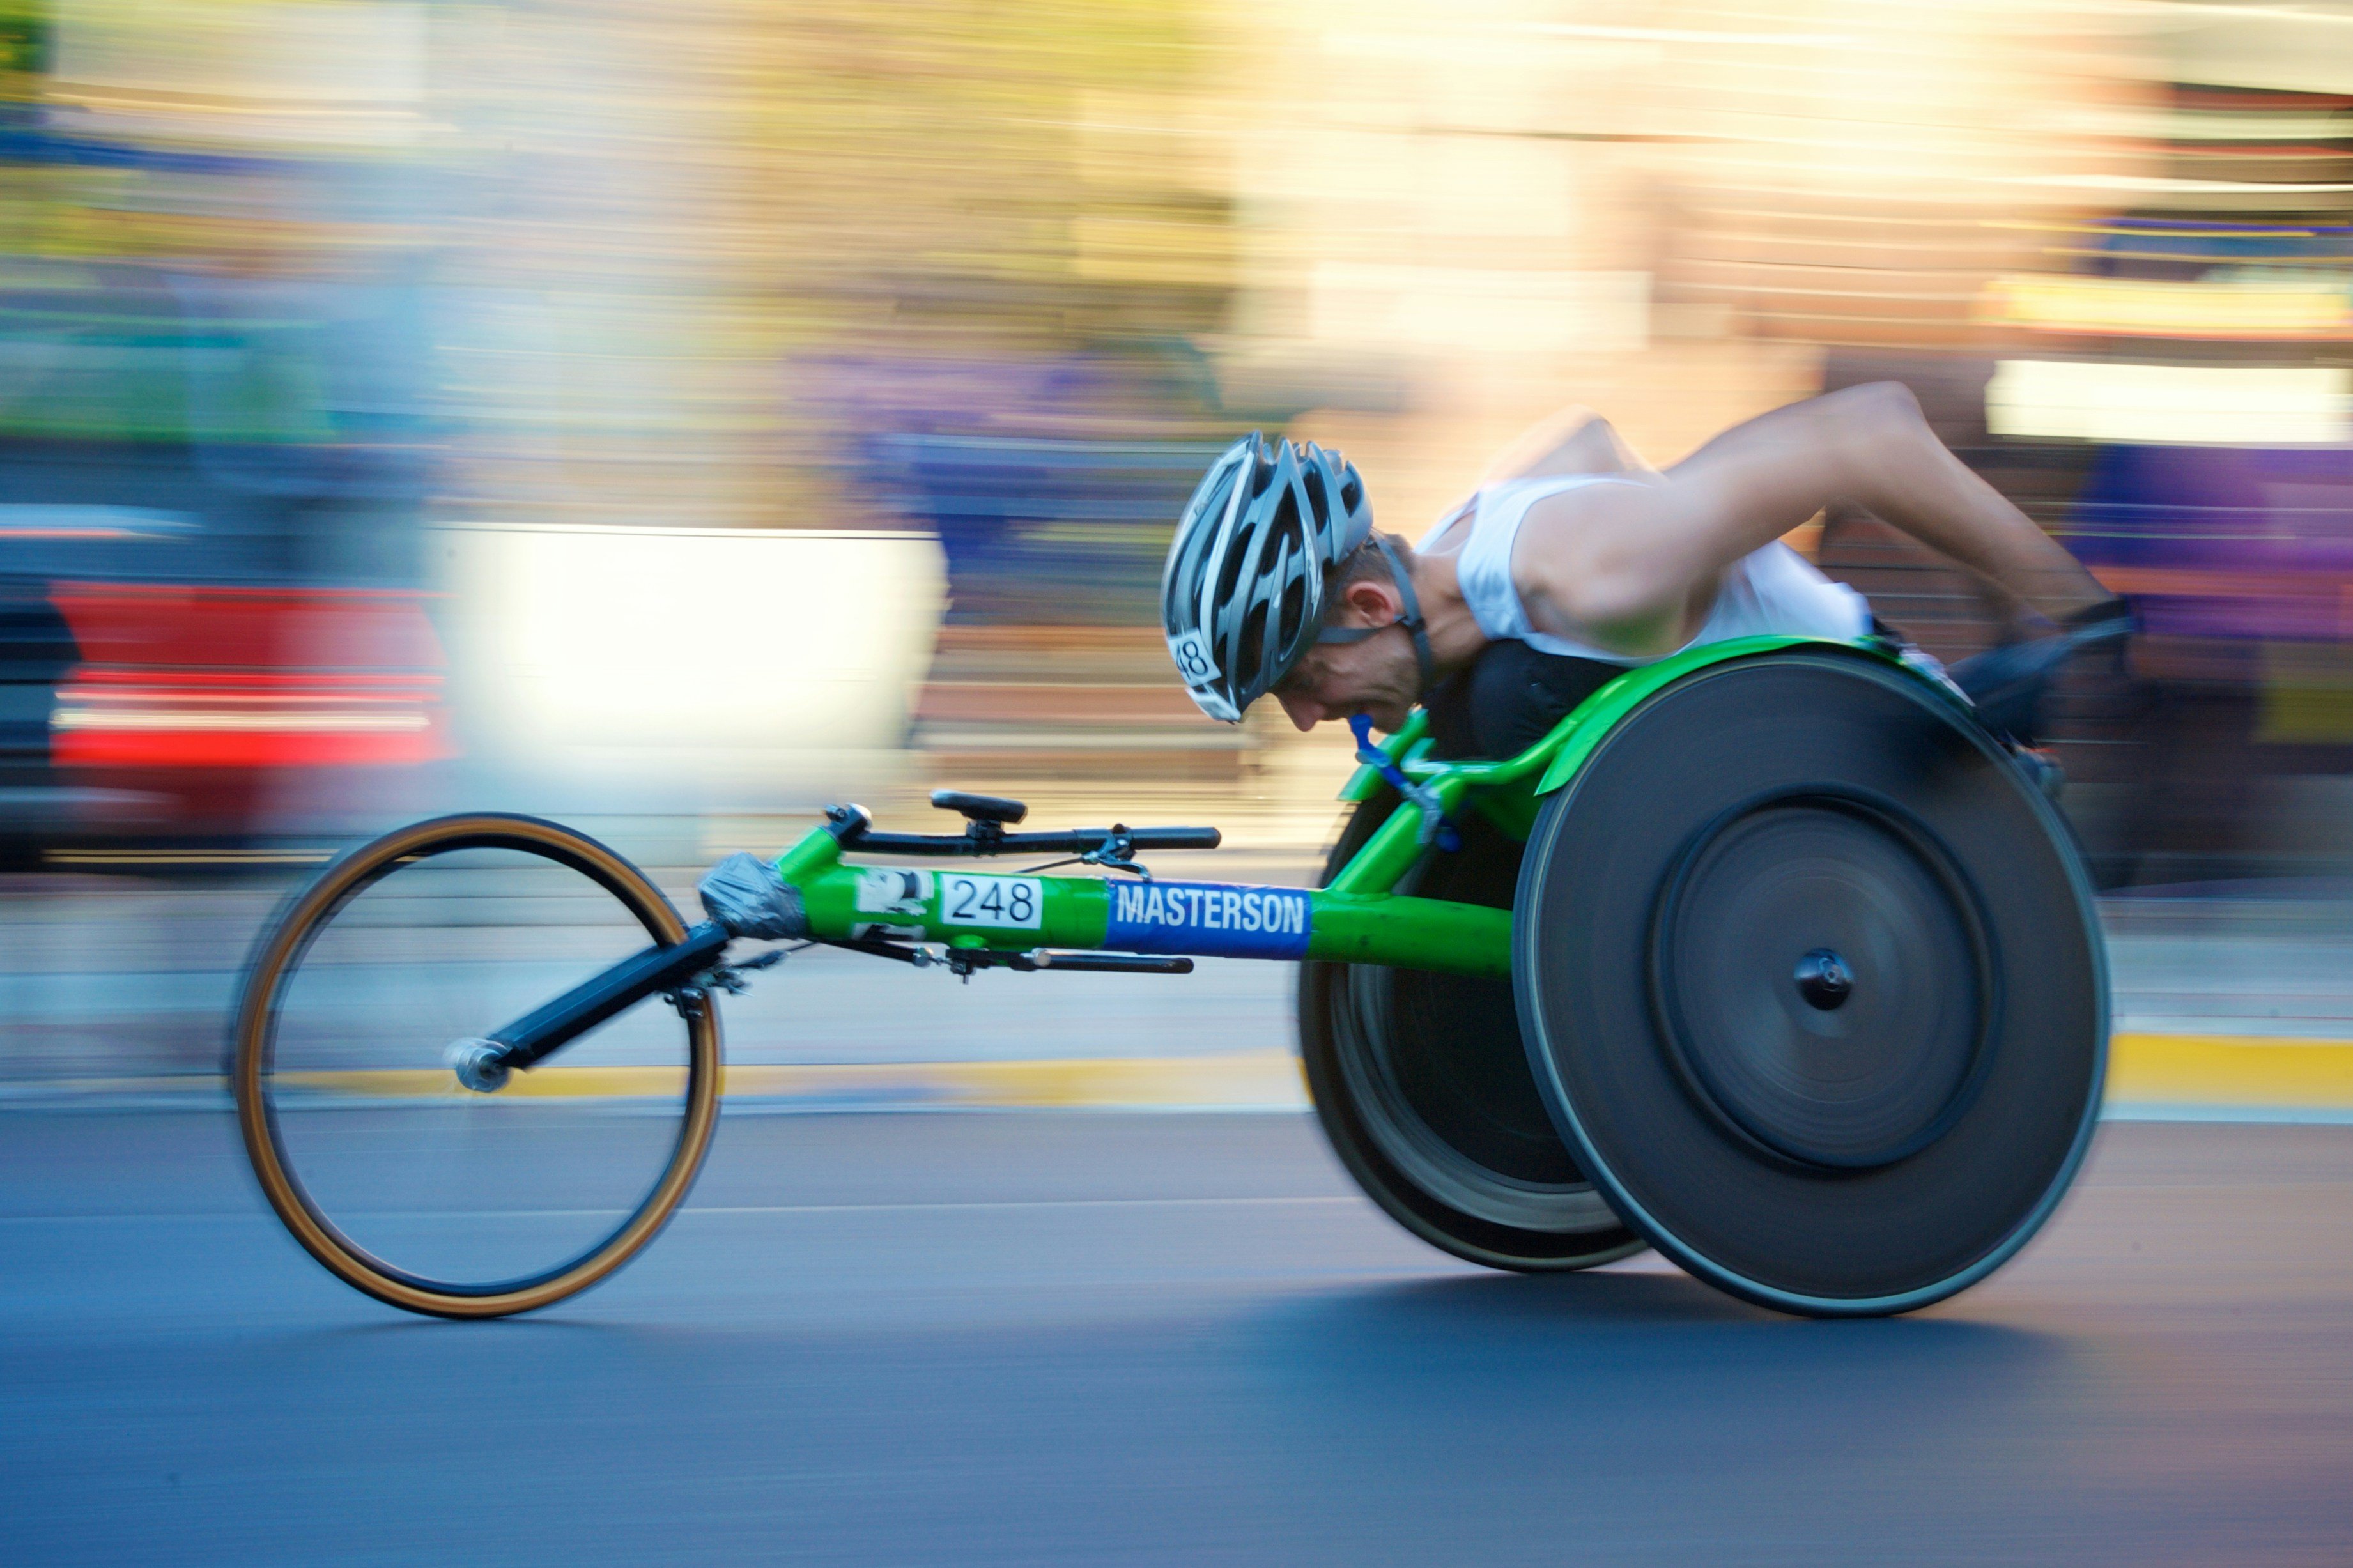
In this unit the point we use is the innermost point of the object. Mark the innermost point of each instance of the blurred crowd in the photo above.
(680, 415)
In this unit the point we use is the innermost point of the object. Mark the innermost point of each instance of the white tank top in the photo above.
(1770, 592)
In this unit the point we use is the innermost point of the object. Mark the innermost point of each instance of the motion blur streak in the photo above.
(397, 306)
(673, 418)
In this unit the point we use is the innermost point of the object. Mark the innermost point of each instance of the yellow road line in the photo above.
(2229, 1069)
(2144, 1071)
(1241, 1078)
(549, 1082)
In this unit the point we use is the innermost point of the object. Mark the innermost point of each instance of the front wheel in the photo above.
(404, 1183)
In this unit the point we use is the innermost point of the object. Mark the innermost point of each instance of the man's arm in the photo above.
(1632, 568)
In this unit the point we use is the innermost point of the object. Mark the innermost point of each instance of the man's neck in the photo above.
(1455, 638)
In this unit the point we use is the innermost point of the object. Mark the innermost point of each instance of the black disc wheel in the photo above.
(1812, 984)
(1422, 1083)
(404, 1181)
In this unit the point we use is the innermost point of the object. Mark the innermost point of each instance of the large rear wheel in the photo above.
(402, 1181)
(1813, 986)
(1421, 1084)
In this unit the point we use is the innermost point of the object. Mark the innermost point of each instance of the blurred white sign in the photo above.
(2209, 405)
(689, 667)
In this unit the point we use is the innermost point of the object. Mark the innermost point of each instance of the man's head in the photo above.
(1376, 674)
(1275, 564)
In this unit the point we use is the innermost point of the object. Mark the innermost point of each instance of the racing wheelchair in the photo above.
(1768, 956)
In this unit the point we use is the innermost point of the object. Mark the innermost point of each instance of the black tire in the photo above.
(1421, 1085)
(402, 1183)
(1841, 1138)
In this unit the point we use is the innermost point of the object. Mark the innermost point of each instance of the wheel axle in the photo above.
(481, 1065)
(1824, 980)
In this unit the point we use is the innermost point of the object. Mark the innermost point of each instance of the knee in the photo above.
(1881, 403)
(1863, 426)
(1604, 451)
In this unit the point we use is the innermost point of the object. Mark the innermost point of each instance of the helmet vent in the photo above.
(1253, 643)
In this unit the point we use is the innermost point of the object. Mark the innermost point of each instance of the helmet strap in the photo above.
(1411, 619)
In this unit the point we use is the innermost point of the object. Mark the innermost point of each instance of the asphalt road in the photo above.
(1181, 1339)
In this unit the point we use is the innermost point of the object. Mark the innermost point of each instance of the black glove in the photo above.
(2107, 620)
(2010, 685)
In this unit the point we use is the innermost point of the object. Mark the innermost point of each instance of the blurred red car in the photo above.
(199, 722)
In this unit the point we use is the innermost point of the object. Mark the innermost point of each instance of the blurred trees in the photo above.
(677, 205)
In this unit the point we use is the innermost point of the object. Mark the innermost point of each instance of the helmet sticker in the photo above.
(1191, 653)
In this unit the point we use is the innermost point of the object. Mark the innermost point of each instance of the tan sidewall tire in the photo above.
(282, 946)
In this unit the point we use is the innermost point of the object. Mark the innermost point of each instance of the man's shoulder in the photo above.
(1569, 503)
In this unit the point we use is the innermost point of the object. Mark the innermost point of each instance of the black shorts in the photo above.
(1512, 696)
(1509, 698)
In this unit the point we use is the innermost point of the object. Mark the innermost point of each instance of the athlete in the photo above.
(1550, 581)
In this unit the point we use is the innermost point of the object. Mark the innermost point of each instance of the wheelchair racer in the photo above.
(1545, 584)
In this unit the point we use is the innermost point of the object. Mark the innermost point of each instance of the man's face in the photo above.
(1378, 676)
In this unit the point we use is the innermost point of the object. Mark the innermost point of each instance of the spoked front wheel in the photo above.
(404, 1181)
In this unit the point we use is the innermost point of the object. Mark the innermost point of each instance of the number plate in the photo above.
(1015, 903)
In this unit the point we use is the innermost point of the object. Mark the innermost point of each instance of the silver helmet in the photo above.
(1243, 596)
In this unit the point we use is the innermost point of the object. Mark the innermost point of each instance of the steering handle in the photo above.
(1071, 841)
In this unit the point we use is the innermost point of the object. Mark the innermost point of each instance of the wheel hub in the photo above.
(1824, 980)
(1817, 971)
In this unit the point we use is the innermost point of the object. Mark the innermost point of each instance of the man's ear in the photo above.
(1376, 604)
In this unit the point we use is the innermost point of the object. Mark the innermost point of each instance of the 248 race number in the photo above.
(1010, 902)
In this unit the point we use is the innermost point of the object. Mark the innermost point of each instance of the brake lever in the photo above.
(1116, 853)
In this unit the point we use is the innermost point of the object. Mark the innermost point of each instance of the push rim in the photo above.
(1801, 1234)
(1422, 1089)
(279, 957)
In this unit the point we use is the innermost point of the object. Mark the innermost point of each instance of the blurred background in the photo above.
(669, 417)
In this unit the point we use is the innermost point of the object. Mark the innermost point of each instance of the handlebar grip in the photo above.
(1175, 837)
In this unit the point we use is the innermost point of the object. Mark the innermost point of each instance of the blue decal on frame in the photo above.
(1213, 919)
